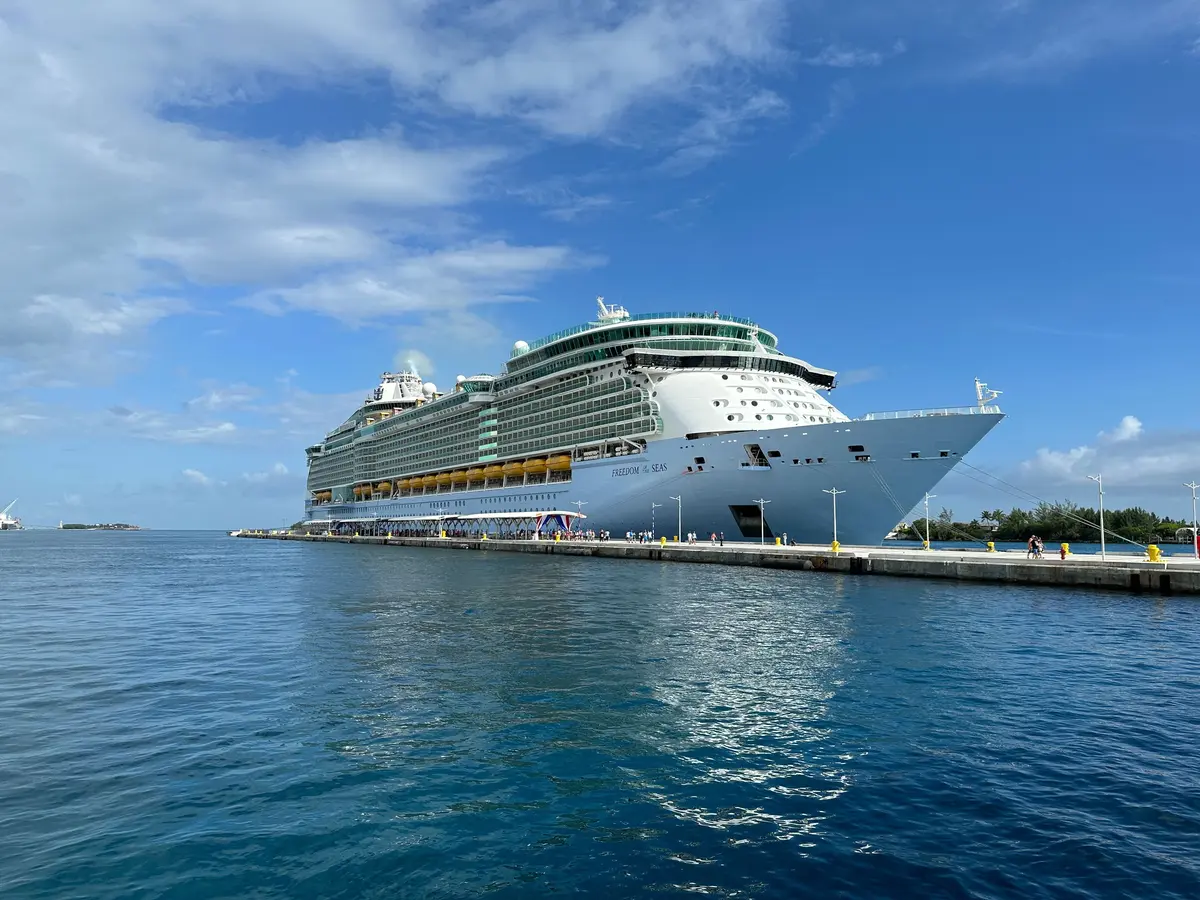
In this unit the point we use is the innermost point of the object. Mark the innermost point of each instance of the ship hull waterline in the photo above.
(721, 494)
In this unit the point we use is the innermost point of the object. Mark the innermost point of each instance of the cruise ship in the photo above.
(669, 421)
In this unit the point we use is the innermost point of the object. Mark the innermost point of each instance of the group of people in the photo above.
(1035, 547)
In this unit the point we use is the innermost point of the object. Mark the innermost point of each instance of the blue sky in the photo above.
(222, 219)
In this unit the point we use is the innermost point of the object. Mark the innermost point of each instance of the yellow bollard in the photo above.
(991, 546)
(483, 537)
(676, 539)
(1064, 550)
(924, 545)
(836, 547)
(356, 534)
(778, 541)
(1154, 553)
(662, 542)
(442, 533)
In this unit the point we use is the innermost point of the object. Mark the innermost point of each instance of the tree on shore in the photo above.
(1053, 522)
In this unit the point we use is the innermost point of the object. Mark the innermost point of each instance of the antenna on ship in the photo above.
(611, 313)
(984, 394)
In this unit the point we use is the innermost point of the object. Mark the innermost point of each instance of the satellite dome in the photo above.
(429, 389)
(460, 379)
(520, 347)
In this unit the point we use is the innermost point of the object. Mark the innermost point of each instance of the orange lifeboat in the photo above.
(429, 481)
(459, 476)
(442, 478)
(474, 475)
(535, 467)
(384, 487)
(513, 470)
(493, 472)
(559, 464)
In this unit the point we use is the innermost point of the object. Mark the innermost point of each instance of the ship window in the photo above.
(862, 458)
(856, 448)
(689, 468)
(820, 459)
(944, 453)
(795, 462)
(700, 460)
(914, 455)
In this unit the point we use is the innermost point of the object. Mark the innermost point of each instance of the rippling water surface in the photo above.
(190, 715)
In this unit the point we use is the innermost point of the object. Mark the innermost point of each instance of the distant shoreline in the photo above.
(117, 526)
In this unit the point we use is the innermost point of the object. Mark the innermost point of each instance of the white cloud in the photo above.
(439, 280)
(217, 397)
(279, 470)
(715, 132)
(1128, 429)
(153, 425)
(195, 476)
(841, 56)
(1127, 456)
(841, 97)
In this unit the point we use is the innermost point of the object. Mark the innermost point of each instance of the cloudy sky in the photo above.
(220, 220)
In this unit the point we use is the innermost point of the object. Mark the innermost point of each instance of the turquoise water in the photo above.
(195, 716)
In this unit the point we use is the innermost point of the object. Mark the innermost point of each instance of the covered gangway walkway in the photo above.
(531, 524)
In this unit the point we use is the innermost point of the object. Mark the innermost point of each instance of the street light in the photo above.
(928, 497)
(679, 526)
(1099, 479)
(653, 507)
(579, 505)
(762, 520)
(1195, 534)
(835, 493)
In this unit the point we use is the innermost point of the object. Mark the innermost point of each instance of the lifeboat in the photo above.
(429, 481)
(459, 476)
(403, 484)
(559, 464)
(441, 478)
(493, 472)
(535, 467)
(513, 470)
(384, 487)
(357, 491)
(474, 474)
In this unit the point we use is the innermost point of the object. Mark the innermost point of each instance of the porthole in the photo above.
(716, 403)
(724, 377)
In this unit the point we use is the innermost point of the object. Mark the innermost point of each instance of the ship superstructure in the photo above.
(613, 412)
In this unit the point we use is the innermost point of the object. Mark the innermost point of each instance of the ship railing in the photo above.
(926, 413)
(640, 317)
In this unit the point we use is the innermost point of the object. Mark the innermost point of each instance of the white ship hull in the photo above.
(908, 455)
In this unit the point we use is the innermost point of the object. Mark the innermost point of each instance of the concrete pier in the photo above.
(1171, 575)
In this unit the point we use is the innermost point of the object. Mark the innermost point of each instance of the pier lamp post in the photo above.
(679, 525)
(1099, 479)
(835, 493)
(928, 497)
(762, 520)
(579, 505)
(1195, 534)
(653, 507)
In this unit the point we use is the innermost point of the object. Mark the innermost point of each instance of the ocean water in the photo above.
(187, 715)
